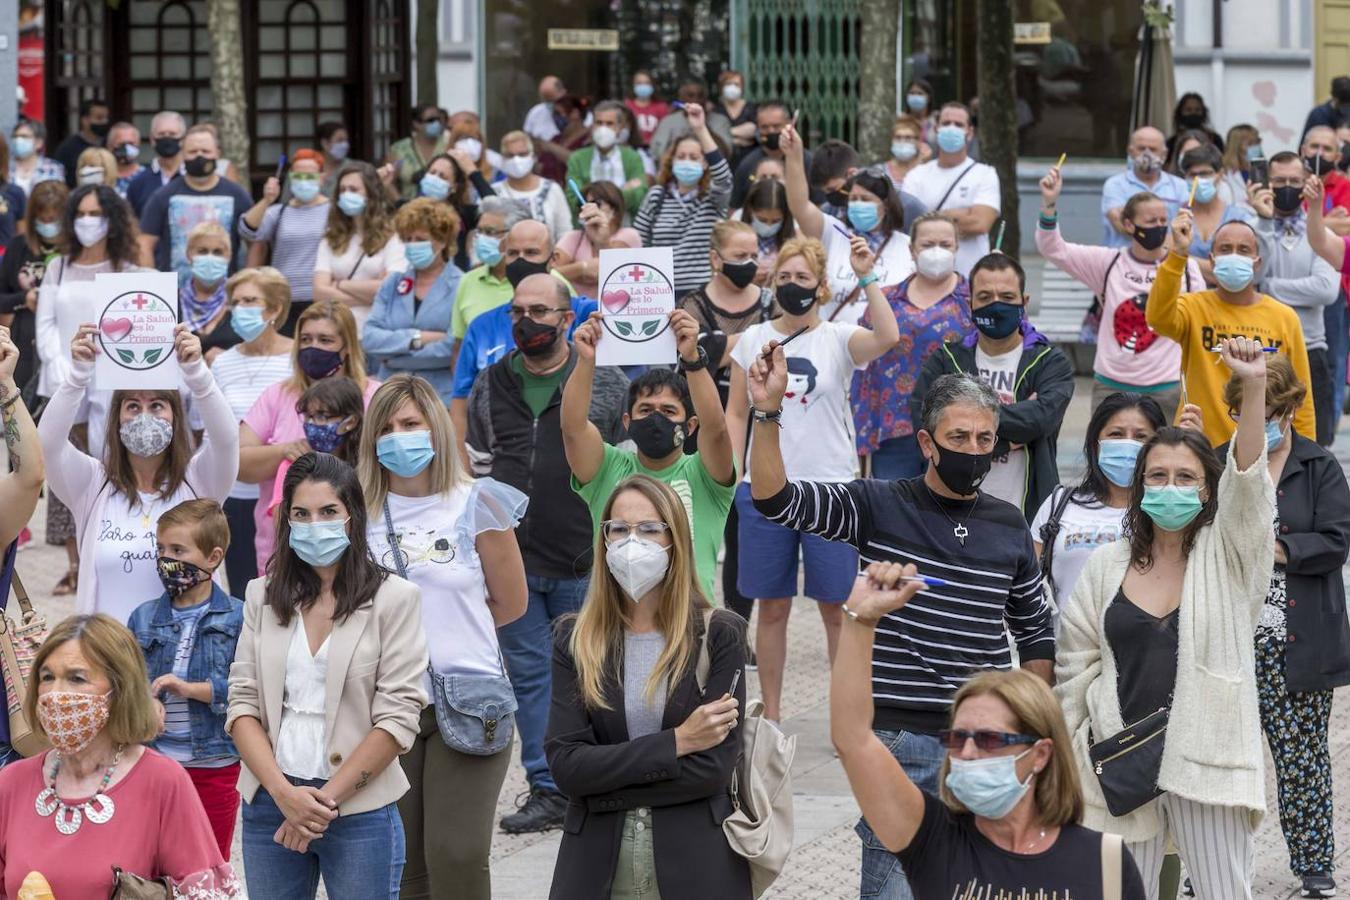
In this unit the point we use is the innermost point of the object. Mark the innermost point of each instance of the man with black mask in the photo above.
(1296, 276)
(1032, 379)
(664, 410)
(770, 120)
(94, 127)
(979, 546)
(515, 436)
(167, 130)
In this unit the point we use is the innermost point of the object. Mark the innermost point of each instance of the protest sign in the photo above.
(135, 313)
(637, 296)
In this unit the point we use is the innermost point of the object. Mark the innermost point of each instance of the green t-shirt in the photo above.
(705, 501)
(537, 390)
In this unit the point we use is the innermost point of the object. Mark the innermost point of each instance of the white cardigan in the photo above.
(1213, 753)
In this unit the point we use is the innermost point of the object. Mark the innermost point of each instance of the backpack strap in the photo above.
(1112, 862)
(1050, 531)
(1106, 278)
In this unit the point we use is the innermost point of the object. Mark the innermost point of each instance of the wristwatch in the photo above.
(700, 363)
(416, 343)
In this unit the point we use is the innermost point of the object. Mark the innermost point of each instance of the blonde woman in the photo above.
(360, 246)
(96, 166)
(201, 297)
(453, 537)
(643, 760)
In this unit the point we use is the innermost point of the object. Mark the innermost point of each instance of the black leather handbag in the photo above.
(1127, 763)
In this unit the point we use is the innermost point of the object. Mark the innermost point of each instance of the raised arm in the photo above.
(714, 442)
(1245, 359)
(1324, 242)
(19, 488)
(582, 442)
(71, 473)
(810, 220)
(868, 344)
(215, 465)
(251, 223)
(1162, 311)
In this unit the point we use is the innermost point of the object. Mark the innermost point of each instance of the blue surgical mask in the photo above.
(904, 151)
(433, 129)
(325, 438)
(420, 253)
(1274, 435)
(1254, 151)
(1117, 459)
(248, 321)
(319, 543)
(988, 787)
(998, 320)
(863, 214)
(351, 203)
(23, 147)
(488, 249)
(1233, 272)
(1205, 189)
(765, 229)
(304, 189)
(48, 231)
(434, 186)
(951, 138)
(917, 103)
(405, 453)
(1172, 507)
(643, 91)
(209, 269)
(687, 171)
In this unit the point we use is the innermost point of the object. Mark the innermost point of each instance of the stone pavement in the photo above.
(824, 862)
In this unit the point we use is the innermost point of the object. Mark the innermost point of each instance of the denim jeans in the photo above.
(897, 458)
(921, 756)
(1337, 322)
(527, 644)
(360, 856)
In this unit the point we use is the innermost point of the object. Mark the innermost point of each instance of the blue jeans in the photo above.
(1337, 322)
(360, 856)
(921, 756)
(527, 644)
(897, 458)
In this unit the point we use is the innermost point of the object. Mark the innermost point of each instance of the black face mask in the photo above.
(1191, 120)
(962, 472)
(100, 129)
(656, 436)
(770, 141)
(837, 198)
(168, 147)
(1150, 238)
(1316, 165)
(1288, 199)
(740, 273)
(534, 338)
(520, 268)
(794, 299)
(199, 166)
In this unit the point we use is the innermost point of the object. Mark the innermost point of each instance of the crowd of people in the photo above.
(398, 519)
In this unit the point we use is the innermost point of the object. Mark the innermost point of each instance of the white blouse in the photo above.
(300, 737)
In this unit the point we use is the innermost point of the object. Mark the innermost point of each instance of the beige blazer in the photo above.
(376, 662)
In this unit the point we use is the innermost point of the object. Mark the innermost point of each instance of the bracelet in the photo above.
(1048, 222)
(11, 401)
(871, 623)
(869, 278)
(776, 416)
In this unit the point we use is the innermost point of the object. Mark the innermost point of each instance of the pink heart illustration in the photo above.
(615, 301)
(1264, 92)
(116, 329)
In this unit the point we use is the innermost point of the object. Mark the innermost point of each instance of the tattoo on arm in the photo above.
(10, 426)
(364, 780)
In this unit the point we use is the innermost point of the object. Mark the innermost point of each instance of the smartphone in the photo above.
(1261, 171)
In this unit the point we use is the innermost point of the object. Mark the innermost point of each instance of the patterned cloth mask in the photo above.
(146, 435)
(179, 576)
(72, 720)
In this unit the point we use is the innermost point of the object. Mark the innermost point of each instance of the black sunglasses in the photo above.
(955, 738)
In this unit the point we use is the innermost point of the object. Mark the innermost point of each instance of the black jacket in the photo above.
(19, 267)
(604, 774)
(1313, 500)
(1044, 371)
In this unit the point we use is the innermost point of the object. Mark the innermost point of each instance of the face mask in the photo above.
(1316, 165)
(100, 129)
(998, 320)
(89, 230)
(765, 229)
(1145, 163)
(47, 230)
(304, 189)
(248, 321)
(604, 137)
(643, 91)
(740, 274)
(518, 166)
(317, 362)
(168, 147)
(916, 102)
(471, 147)
(351, 203)
(1233, 272)
(520, 268)
(434, 186)
(126, 153)
(199, 166)
(656, 436)
(1205, 189)
(179, 576)
(863, 214)
(1150, 238)
(405, 453)
(1254, 151)
(904, 151)
(1274, 435)
(731, 92)
(339, 149)
(1171, 508)
(794, 299)
(771, 141)
(687, 171)
(1288, 199)
(209, 269)
(145, 435)
(1191, 120)
(72, 720)
(319, 543)
(23, 147)
(987, 787)
(433, 129)
(962, 472)
(487, 249)
(419, 253)
(1117, 459)
(936, 262)
(951, 138)
(90, 175)
(534, 338)
(324, 438)
(638, 565)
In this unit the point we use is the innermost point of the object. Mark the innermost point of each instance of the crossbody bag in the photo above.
(1128, 762)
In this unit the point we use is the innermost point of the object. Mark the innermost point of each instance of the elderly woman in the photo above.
(201, 297)
(359, 247)
(89, 697)
(96, 166)
(485, 286)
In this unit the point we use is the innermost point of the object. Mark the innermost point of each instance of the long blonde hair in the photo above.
(445, 469)
(353, 363)
(597, 640)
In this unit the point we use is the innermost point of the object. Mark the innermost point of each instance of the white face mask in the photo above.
(637, 564)
(936, 262)
(89, 230)
(518, 166)
(603, 136)
(731, 92)
(471, 146)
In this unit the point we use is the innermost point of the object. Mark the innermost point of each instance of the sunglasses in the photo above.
(955, 739)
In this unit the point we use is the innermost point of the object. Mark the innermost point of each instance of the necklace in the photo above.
(958, 528)
(97, 809)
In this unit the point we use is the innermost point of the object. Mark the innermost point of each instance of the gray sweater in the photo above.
(294, 233)
(1296, 276)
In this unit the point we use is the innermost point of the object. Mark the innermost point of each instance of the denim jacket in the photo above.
(212, 653)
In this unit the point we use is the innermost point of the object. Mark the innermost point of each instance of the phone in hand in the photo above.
(1261, 171)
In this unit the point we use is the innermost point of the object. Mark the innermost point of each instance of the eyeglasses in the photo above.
(1163, 479)
(955, 739)
(616, 530)
(535, 313)
(429, 121)
(492, 232)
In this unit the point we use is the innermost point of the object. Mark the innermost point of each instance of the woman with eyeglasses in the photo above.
(644, 755)
(360, 246)
(1009, 819)
(1162, 624)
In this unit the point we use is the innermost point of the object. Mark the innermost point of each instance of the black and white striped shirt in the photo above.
(685, 223)
(925, 651)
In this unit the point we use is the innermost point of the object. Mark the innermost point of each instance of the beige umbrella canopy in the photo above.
(1155, 86)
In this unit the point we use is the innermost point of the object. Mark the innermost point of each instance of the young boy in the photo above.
(188, 636)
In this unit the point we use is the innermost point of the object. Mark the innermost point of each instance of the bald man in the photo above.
(1143, 172)
(539, 121)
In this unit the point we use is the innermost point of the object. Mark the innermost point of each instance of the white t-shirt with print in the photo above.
(354, 264)
(1007, 478)
(124, 552)
(893, 266)
(818, 439)
(979, 187)
(1082, 529)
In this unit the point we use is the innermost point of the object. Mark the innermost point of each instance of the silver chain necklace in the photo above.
(97, 809)
(959, 529)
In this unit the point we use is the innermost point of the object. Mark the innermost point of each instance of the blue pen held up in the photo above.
(576, 191)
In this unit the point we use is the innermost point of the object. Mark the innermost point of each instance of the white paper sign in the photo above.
(637, 296)
(135, 313)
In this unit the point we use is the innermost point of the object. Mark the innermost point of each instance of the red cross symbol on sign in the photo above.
(636, 272)
(139, 302)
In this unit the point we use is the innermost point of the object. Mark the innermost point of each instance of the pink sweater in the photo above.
(1128, 351)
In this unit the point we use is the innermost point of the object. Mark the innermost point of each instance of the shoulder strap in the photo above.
(393, 541)
(1050, 530)
(952, 187)
(704, 664)
(857, 289)
(1112, 862)
(1106, 278)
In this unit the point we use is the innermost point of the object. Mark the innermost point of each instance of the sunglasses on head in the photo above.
(955, 739)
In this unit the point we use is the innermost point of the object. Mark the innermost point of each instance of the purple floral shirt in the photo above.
(881, 391)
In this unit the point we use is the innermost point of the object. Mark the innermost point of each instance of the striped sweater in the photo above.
(925, 651)
(667, 220)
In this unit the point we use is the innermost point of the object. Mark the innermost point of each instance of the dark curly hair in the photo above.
(1138, 525)
(123, 250)
(1096, 487)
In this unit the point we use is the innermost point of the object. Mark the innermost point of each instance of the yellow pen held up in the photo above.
(1059, 165)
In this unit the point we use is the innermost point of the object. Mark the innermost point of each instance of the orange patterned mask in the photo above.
(72, 720)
